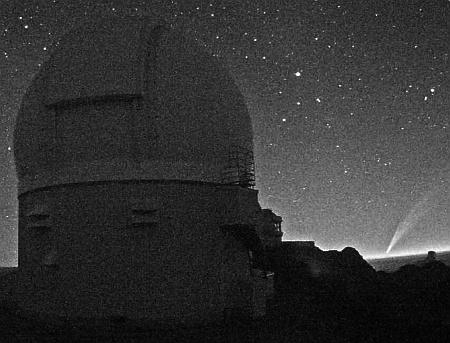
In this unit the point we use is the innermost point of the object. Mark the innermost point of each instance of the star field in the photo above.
(349, 102)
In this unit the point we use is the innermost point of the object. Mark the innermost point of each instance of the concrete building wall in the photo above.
(92, 262)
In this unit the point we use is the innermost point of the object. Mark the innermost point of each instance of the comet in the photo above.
(412, 219)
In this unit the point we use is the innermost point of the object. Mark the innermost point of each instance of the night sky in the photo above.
(349, 101)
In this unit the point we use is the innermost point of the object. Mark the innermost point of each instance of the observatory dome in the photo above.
(130, 99)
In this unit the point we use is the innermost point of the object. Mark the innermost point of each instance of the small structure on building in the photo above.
(134, 154)
(271, 233)
(431, 256)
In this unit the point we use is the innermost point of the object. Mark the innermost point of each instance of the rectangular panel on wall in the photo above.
(144, 214)
(38, 218)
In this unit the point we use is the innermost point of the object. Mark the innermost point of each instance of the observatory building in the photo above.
(134, 154)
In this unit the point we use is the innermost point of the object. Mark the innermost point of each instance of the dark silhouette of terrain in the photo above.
(321, 296)
(339, 297)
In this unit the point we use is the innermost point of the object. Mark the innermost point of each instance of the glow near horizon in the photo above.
(406, 253)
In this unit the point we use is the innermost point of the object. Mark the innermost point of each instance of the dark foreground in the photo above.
(353, 303)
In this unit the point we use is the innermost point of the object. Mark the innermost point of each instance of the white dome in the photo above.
(128, 99)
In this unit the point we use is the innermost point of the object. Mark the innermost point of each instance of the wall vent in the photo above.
(144, 215)
(38, 218)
